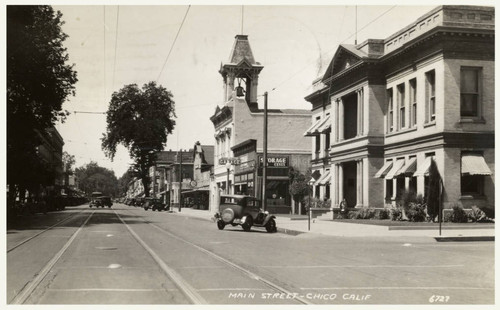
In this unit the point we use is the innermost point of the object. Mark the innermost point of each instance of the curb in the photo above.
(290, 231)
(465, 238)
(437, 228)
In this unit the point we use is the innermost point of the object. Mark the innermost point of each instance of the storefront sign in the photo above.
(231, 160)
(275, 161)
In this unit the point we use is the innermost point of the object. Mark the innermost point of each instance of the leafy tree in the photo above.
(38, 82)
(124, 181)
(68, 163)
(139, 119)
(299, 187)
(93, 178)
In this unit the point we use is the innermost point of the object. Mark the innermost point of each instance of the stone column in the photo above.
(230, 85)
(359, 183)
(341, 120)
(335, 185)
(360, 112)
(341, 182)
(335, 121)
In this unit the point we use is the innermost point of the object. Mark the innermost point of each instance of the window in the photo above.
(472, 174)
(317, 146)
(430, 96)
(469, 92)
(413, 102)
(401, 105)
(390, 111)
(327, 140)
(472, 185)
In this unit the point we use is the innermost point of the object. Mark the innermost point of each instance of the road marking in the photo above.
(397, 288)
(28, 289)
(172, 274)
(109, 289)
(114, 266)
(41, 232)
(245, 271)
(201, 267)
(105, 248)
(368, 266)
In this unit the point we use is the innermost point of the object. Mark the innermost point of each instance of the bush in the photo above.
(364, 213)
(459, 215)
(416, 212)
(384, 214)
(396, 214)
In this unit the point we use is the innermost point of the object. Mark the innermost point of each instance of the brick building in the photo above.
(424, 92)
(238, 123)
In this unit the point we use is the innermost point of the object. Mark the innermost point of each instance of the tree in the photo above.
(38, 82)
(124, 181)
(139, 119)
(93, 178)
(68, 163)
(299, 187)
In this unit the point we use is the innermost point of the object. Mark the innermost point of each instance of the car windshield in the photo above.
(230, 200)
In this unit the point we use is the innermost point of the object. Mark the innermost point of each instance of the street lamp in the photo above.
(228, 167)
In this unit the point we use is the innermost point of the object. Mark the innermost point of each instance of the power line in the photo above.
(173, 44)
(116, 44)
(309, 64)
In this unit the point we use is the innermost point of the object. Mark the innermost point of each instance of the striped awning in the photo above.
(383, 171)
(474, 164)
(313, 130)
(324, 180)
(423, 169)
(395, 169)
(325, 126)
(409, 168)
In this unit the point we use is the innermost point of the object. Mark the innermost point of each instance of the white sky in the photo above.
(110, 52)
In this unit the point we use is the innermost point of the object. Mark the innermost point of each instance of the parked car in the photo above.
(154, 204)
(245, 211)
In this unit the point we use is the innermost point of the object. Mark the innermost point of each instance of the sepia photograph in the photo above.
(203, 154)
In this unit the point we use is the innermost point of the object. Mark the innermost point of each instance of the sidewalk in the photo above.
(332, 228)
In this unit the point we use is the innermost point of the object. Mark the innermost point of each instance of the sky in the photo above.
(116, 45)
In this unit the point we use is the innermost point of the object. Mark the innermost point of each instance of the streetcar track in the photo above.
(41, 232)
(245, 271)
(28, 289)
(183, 286)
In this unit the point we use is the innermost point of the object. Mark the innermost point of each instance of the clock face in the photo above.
(193, 183)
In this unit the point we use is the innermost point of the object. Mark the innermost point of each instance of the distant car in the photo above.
(245, 211)
(95, 200)
(106, 201)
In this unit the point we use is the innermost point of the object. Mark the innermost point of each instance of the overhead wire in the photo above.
(173, 43)
(329, 52)
(116, 46)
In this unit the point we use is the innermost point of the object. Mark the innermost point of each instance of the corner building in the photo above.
(239, 126)
(424, 92)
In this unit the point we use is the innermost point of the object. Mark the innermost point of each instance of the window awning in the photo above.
(315, 125)
(324, 180)
(474, 164)
(409, 168)
(395, 169)
(314, 129)
(325, 126)
(383, 171)
(423, 169)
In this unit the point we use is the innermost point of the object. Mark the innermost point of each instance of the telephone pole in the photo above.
(264, 157)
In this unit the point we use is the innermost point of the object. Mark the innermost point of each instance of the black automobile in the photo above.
(245, 211)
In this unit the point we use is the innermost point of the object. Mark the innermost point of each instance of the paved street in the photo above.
(125, 255)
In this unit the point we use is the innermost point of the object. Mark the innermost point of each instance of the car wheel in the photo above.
(271, 226)
(221, 224)
(248, 223)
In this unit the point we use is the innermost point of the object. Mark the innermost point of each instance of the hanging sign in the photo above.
(275, 161)
(231, 160)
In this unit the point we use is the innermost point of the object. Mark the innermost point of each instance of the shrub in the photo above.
(364, 213)
(459, 215)
(416, 212)
(396, 214)
(384, 214)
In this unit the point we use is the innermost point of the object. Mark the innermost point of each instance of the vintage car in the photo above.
(245, 211)
(97, 199)
(154, 204)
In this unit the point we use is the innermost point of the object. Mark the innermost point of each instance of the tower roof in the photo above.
(241, 51)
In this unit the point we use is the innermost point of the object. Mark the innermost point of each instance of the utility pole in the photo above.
(264, 157)
(180, 182)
